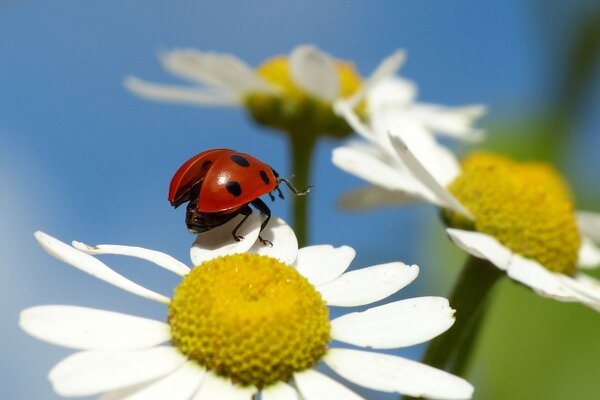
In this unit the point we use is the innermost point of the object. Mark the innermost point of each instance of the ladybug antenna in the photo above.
(293, 188)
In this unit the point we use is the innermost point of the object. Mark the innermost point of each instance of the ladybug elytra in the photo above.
(219, 184)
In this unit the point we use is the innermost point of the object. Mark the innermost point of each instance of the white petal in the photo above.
(179, 94)
(389, 373)
(369, 197)
(179, 385)
(323, 263)
(219, 241)
(314, 385)
(279, 391)
(391, 92)
(314, 71)
(398, 324)
(124, 393)
(92, 372)
(589, 224)
(425, 177)
(483, 246)
(544, 282)
(223, 71)
(92, 329)
(93, 266)
(368, 285)
(373, 167)
(452, 121)
(586, 288)
(589, 254)
(283, 238)
(161, 259)
(215, 387)
(387, 67)
(345, 110)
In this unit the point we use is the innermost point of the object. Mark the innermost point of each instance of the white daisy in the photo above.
(244, 323)
(517, 216)
(288, 93)
(391, 106)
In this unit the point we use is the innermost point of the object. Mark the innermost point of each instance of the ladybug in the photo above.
(219, 184)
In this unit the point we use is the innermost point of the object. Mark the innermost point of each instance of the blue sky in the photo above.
(81, 158)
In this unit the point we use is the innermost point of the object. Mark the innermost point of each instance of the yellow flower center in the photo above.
(526, 206)
(295, 111)
(249, 318)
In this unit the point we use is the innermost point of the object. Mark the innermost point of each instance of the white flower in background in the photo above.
(290, 93)
(245, 323)
(391, 106)
(518, 216)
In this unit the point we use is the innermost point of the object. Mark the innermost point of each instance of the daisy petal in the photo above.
(368, 285)
(452, 121)
(589, 224)
(314, 71)
(586, 287)
(323, 263)
(92, 372)
(481, 245)
(392, 92)
(91, 329)
(161, 259)
(124, 393)
(389, 373)
(369, 197)
(215, 387)
(93, 266)
(398, 324)
(365, 162)
(544, 282)
(314, 385)
(179, 385)
(224, 71)
(279, 391)
(283, 239)
(424, 176)
(589, 254)
(386, 68)
(219, 241)
(179, 94)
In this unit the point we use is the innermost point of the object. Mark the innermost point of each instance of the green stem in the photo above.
(301, 148)
(451, 350)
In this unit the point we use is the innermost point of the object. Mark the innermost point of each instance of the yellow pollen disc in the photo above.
(294, 110)
(249, 318)
(526, 206)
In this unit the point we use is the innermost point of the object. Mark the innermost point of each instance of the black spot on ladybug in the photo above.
(239, 160)
(234, 188)
(264, 176)
(205, 164)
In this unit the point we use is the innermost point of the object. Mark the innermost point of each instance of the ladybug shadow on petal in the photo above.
(220, 184)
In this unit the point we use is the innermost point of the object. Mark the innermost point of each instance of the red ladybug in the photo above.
(220, 184)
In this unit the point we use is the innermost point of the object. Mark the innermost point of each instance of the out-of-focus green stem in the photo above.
(301, 149)
(451, 350)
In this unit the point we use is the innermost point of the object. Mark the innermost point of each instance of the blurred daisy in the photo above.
(518, 216)
(391, 106)
(291, 93)
(248, 319)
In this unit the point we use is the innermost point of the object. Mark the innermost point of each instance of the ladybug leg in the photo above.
(266, 211)
(271, 196)
(279, 191)
(293, 188)
(246, 211)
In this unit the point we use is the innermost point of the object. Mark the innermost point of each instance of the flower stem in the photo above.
(451, 351)
(301, 148)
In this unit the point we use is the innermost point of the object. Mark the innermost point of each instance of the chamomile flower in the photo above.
(291, 93)
(391, 106)
(247, 319)
(518, 216)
